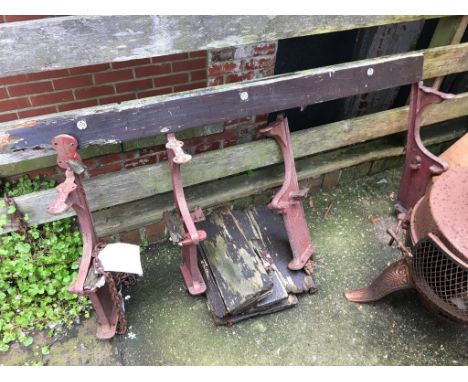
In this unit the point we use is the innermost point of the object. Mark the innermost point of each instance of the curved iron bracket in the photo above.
(189, 266)
(287, 201)
(420, 163)
(71, 194)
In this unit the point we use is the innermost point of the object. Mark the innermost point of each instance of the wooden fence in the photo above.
(133, 198)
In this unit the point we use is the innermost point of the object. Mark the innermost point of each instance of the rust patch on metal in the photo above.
(420, 163)
(25, 124)
(435, 258)
(395, 277)
(6, 140)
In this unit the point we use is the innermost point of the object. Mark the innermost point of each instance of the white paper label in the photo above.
(121, 257)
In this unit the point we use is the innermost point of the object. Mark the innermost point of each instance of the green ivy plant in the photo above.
(36, 270)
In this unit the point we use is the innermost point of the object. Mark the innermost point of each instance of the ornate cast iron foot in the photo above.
(395, 277)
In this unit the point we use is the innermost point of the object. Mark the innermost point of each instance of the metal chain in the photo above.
(17, 218)
(309, 267)
(113, 282)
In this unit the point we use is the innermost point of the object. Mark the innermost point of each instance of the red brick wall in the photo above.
(237, 64)
(12, 18)
(28, 95)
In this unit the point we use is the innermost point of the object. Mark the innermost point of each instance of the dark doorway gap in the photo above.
(315, 51)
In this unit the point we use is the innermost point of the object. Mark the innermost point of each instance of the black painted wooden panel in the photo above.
(153, 116)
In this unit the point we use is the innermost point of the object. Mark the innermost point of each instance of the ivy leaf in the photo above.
(26, 341)
(34, 275)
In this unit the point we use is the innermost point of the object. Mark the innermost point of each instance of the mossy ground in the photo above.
(170, 327)
(173, 328)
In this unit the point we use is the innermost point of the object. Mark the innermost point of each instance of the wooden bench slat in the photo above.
(174, 113)
(88, 40)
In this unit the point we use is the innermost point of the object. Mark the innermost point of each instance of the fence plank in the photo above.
(87, 40)
(150, 210)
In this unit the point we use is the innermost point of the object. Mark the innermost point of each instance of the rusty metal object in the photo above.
(189, 266)
(71, 194)
(287, 201)
(455, 155)
(393, 278)
(436, 261)
(444, 213)
(420, 163)
(442, 282)
(117, 299)
(17, 218)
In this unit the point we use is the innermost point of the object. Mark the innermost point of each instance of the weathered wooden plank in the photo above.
(130, 185)
(265, 231)
(445, 31)
(290, 302)
(27, 160)
(87, 40)
(249, 230)
(122, 217)
(174, 113)
(445, 60)
(37, 159)
(239, 273)
(449, 31)
(275, 242)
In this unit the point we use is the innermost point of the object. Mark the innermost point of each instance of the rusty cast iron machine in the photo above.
(433, 210)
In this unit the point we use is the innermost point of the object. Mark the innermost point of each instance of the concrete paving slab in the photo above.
(170, 327)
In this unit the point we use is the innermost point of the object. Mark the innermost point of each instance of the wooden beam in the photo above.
(123, 217)
(174, 113)
(445, 60)
(325, 137)
(437, 61)
(130, 185)
(86, 40)
(29, 160)
(447, 31)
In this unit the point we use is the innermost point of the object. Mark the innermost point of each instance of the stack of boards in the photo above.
(244, 261)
